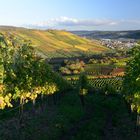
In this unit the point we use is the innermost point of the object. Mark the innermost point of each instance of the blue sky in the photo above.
(72, 14)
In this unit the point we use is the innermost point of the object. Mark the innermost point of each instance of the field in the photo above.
(57, 43)
(104, 69)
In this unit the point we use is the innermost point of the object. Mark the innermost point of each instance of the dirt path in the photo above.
(108, 129)
(76, 127)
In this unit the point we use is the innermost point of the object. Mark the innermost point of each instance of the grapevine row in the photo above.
(23, 74)
(99, 83)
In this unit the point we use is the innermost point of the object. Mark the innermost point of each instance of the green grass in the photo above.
(102, 117)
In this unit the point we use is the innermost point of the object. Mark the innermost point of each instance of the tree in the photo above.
(5, 98)
(132, 81)
(83, 87)
(25, 74)
(73, 67)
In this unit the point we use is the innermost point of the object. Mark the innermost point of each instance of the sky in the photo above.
(71, 14)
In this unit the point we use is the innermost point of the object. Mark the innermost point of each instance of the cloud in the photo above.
(71, 22)
(87, 24)
(131, 21)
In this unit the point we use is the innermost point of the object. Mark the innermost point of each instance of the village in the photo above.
(119, 43)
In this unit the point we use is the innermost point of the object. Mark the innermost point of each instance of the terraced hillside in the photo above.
(55, 43)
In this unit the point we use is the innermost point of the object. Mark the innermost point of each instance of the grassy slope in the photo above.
(56, 43)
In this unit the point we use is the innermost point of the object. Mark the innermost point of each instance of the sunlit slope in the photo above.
(55, 43)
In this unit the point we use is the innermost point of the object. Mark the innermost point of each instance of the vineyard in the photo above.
(100, 83)
(70, 70)
(98, 69)
(57, 44)
(102, 69)
(38, 103)
(23, 75)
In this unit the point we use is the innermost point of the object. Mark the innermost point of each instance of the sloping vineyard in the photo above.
(99, 83)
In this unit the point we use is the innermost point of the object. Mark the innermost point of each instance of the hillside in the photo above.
(55, 43)
(109, 34)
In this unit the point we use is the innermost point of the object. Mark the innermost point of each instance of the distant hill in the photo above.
(109, 34)
(56, 43)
